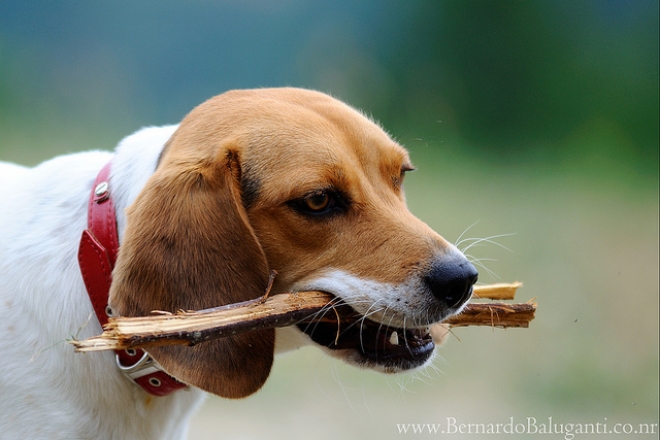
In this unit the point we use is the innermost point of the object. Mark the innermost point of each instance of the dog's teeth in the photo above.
(394, 338)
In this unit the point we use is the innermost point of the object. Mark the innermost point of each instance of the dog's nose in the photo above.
(451, 281)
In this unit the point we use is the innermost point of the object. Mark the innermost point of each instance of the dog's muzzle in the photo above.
(448, 283)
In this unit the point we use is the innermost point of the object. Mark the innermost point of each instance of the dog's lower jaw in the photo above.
(354, 357)
(292, 338)
(368, 344)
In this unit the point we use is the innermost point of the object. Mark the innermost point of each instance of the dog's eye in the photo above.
(397, 181)
(318, 202)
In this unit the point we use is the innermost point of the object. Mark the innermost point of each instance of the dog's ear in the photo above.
(188, 245)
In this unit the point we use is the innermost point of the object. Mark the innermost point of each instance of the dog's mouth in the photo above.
(370, 343)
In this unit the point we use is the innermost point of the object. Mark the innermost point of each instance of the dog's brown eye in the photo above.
(318, 202)
(323, 203)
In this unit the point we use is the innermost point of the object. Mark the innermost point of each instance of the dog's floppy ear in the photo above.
(188, 245)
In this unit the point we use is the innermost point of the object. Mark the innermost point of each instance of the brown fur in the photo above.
(191, 243)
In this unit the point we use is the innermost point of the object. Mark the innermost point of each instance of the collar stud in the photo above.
(101, 192)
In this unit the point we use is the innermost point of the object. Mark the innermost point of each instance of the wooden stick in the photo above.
(499, 291)
(495, 315)
(190, 328)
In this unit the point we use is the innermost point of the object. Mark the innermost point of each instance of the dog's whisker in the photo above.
(479, 262)
(406, 339)
(489, 240)
(317, 317)
(475, 260)
(364, 317)
(389, 324)
(337, 379)
(458, 240)
(394, 336)
(431, 368)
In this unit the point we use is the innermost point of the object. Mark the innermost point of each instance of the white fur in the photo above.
(389, 303)
(46, 390)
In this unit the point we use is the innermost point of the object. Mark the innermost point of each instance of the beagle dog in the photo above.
(251, 181)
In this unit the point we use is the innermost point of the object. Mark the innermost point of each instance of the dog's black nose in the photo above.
(451, 281)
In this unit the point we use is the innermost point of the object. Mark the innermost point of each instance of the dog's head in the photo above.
(298, 182)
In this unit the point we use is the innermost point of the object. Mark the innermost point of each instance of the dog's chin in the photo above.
(360, 341)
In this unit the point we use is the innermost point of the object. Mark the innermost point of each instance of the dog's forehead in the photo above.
(319, 132)
(316, 151)
(293, 139)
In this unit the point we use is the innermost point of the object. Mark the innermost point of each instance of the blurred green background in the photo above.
(537, 119)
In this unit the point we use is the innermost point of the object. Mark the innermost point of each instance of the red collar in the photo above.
(97, 256)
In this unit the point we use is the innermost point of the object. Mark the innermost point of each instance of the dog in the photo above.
(250, 181)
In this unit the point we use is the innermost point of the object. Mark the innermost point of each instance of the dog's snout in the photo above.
(451, 281)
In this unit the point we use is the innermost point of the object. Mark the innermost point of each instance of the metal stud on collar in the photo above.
(101, 192)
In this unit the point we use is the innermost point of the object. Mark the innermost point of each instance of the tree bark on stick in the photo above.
(194, 327)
